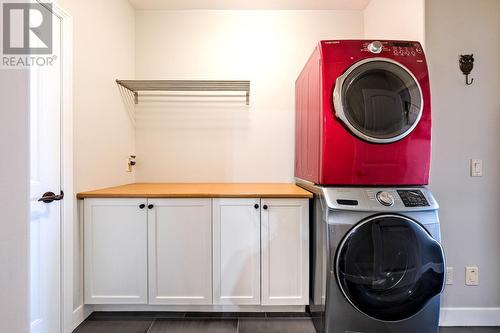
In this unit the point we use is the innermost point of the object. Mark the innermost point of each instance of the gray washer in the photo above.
(375, 268)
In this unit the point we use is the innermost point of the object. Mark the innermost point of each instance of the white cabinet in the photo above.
(115, 251)
(236, 251)
(285, 251)
(196, 251)
(180, 251)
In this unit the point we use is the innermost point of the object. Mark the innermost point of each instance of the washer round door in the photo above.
(379, 100)
(389, 267)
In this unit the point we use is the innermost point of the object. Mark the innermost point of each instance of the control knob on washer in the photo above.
(385, 198)
(375, 47)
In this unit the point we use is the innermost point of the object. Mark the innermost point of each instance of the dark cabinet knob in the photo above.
(150, 206)
(265, 206)
(141, 206)
(256, 206)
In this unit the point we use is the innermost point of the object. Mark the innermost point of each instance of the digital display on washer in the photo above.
(413, 198)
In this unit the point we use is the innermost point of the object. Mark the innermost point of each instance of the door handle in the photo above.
(48, 197)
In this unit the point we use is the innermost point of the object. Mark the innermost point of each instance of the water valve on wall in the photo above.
(130, 163)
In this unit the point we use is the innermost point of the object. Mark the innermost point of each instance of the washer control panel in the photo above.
(406, 49)
(413, 198)
(385, 198)
(381, 199)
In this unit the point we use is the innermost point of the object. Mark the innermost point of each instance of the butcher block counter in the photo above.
(199, 190)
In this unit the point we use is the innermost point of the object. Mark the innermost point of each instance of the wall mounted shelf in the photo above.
(140, 86)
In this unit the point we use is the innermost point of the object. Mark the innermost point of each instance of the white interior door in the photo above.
(45, 169)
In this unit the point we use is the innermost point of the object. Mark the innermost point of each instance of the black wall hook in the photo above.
(466, 63)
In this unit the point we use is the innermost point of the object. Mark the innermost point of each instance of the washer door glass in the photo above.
(381, 101)
(389, 267)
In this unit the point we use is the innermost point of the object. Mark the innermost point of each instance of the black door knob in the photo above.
(265, 206)
(150, 206)
(48, 197)
(256, 206)
(141, 206)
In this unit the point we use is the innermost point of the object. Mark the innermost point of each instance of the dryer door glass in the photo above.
(381, 101)
(389, 267)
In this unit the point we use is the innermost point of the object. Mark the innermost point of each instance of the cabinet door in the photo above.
(180, 251)
(236, 251)
(115, 251)
(285, 251)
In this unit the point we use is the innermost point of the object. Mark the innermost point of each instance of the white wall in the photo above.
(14, 195)
(104, 135)
(467, 125)
(395, 19)
(104, 35)
(199, 140)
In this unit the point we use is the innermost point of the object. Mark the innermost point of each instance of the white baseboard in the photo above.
(470, 317)
(204, 308)
(80, 314)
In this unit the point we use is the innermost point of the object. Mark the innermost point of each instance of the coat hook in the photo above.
(467, 80)
(466, 63)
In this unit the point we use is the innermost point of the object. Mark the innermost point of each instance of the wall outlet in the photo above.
(449, 275)
(476, 168)
(472, 275)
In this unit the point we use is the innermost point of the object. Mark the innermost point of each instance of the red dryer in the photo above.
(363, 114)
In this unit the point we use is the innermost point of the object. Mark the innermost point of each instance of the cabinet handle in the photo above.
(265, 206)
(256, 206)
(150, 206)
(141, 206)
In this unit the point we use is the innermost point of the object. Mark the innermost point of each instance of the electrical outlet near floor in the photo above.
(449, 275)
(472, 275)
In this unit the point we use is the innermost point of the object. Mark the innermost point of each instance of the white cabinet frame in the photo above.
(115, 251)
(180, 251)
(285, 251)
(236, 251)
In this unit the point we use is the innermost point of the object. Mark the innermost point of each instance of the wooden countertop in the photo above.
(199, 190)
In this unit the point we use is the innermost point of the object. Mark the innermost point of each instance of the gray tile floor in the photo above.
(179, 322)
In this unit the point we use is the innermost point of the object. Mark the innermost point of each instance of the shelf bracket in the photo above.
(136, 97)
(248, 98)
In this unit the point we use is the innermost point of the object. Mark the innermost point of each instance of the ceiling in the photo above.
(250, 4)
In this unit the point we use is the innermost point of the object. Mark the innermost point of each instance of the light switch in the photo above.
(472, 275)
(476, 168)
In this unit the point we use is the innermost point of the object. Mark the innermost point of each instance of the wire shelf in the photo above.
(139, 86)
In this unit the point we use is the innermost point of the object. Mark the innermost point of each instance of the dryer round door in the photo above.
(389, 267)
(379, 100)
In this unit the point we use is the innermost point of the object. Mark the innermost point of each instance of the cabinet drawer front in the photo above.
(115, 251)
(236, 251)
(180, 251)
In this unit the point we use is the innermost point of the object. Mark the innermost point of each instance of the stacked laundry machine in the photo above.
(363, 143)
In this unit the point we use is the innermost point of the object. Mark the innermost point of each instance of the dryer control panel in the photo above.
(406, 49)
